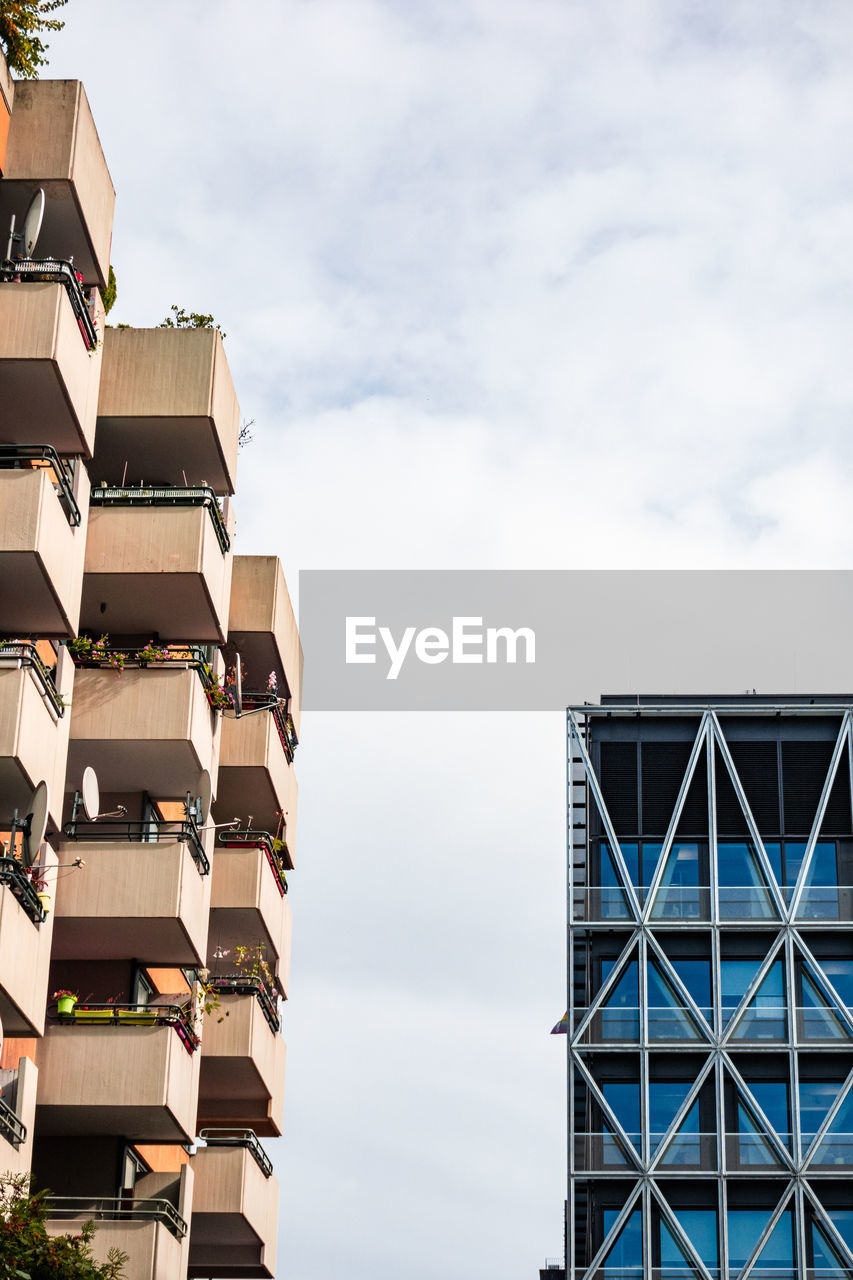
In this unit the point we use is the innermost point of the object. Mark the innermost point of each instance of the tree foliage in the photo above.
(108, 295)
(22, 23)
(27, 1252)
(181, 319)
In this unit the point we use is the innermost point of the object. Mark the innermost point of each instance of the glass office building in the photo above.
(710, 975)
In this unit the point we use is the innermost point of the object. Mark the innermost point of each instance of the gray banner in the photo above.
(518, 640)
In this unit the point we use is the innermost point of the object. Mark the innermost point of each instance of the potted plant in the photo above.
(65, 1002)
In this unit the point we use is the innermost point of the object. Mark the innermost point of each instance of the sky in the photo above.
(506, 285)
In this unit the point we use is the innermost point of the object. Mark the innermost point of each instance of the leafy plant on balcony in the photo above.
(152, 652)
(26, 1249)
(109, 295)
(181, 319)
(252, 963)
(219, 697)
(97, 651)
(22, 23)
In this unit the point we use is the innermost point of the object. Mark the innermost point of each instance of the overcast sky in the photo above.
(541, 284)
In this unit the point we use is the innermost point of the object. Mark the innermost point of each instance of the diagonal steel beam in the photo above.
(840, 743)
(700, 743)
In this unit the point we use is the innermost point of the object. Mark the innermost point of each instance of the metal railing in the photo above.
(239, 1138)
(134, 1015)
(24, 654)
(16, 457)
(259, 840)
(21, 887)
(693, 902)
(12, 1127)
(237, 984)
(149, 832)
(282, 719)
(116, 1209)
(165, 496)
(181, 657)
(54, 271)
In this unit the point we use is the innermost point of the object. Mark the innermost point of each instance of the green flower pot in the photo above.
(65, 1004)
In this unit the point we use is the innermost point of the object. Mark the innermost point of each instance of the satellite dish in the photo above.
(205, 794)
(32, 224)
(35, 823)
(90, 794)
(238, 686)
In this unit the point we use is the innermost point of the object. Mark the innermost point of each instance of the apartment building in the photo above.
(149, 709)
(710, 973)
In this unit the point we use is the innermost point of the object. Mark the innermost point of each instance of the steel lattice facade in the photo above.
(710, 978)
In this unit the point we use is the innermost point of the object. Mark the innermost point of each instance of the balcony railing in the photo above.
(135, 1015)
(693, 902)
(117, 1209)
(21, 653)
(239, 1138)
(13, 875)
(259, 840)
(181, 657)
(150, 832)
(165, 496)
(282, 719)
(53, 271)
(11, 1126)
(237, 984)
(19, 457)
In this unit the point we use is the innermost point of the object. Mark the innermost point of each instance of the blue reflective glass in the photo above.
(766, 1017)
(772, 1097)
(816, 1097)
(651, 857)
(665, 1097)
(696, 976)
(826, 1260)
(836, 1148)
(620, 1017)
(614, 900)
(774, 853)
(745, 1228)
(627, 1253)
(700, 1225)
(735, 977)
(623, 1096)
(743, 891)
(840, 974)
(842, 1220)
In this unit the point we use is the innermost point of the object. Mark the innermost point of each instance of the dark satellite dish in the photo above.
(35, 823)
(90, 794)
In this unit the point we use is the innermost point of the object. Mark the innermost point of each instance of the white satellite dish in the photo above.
(90, 794)
(36, 823)
(205, 795)
(32, 223)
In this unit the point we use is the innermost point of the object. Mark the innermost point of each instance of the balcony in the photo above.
(25, 941)
(49, 366)
(242, 1067)
(167, 412)
(235, 1207)
(157, 560)
(53, 144)
(126, 1070)
(248, 900)
(262, 628)
(144, 894)
(33, 725)
(149, 1229)
(7, 97)
(17, 1114)
(144, 723)
(255, 775)
(41, 543)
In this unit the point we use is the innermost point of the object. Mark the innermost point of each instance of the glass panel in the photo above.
(840, 974)
(776, 1260)
(743, 889)
(620, 1017)
(696, 976)
(772, 1097)
(679, 896)
(818, 1018)
(816, 1098)
(819, 900)
(753, 1148)
(735, 977)
(827, 1262)
(837, 1147)
(623, 1096)
(842, 1220)
(650, 854)
(673, 1259)
(665, 1097)
(614, 900)
(685, 1149)
(773, 849)
(765, 1017)
(669, 1017)
(626, 1256)
(700, 1225)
